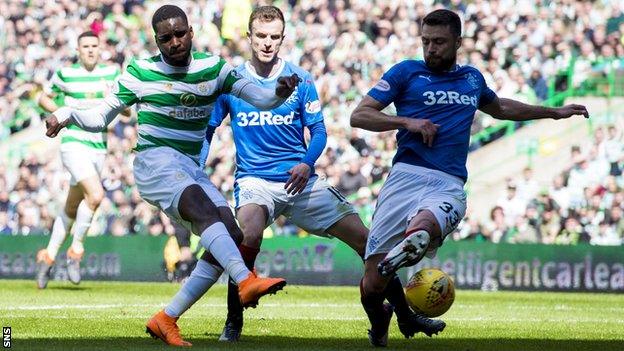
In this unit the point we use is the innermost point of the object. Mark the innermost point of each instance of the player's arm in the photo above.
(203, 154)
(509, 109)
(300, 173)
(265, 99)
(47, 102)
(367, 115)
(95, 119)
(219, 113)
(312, 117)
(230, 82)
(46, 99)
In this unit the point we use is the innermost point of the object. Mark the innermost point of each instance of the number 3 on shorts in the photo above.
(452, 216)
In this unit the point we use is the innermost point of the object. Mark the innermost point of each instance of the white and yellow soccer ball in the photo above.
(430, 292)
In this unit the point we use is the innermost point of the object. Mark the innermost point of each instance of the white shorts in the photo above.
(316, 208)
(162, 174)
(408, 190)
(82, 163)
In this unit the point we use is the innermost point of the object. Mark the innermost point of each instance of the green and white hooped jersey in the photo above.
(174, 103)
(76, 87)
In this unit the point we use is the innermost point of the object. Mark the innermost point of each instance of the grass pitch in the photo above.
(111, 316)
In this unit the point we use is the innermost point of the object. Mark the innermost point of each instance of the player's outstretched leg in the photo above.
(409, 322)
(422, 235)
(407, 253)
(197, 208)
(163, 325)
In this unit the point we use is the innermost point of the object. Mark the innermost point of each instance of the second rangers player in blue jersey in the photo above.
(275, 168)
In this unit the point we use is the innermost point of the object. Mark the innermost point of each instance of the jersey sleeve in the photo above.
(127, 85)
(389, 86)
(56, 88)
(220, 111)
(310, 102)
(57, 85)
(227, 77)
(487, 94)
(117, 72)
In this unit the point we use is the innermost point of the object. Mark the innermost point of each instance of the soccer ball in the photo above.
(430, 291)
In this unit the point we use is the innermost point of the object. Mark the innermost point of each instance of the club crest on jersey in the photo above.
(188, 99)
(202, 87)
(472, 80)
(235, 74)
(293, 97)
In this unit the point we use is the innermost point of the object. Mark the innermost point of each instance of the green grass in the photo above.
(111, 316)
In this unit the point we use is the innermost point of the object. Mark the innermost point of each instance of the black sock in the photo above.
(373, 306)
(235, 308)
(396, 296)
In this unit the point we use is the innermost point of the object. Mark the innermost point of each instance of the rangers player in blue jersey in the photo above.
(423, 200)
(275, 168)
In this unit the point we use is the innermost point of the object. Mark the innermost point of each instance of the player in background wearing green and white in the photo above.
(81, 86)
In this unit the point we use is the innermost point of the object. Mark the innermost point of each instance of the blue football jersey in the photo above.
(449, 99)
(269, 143)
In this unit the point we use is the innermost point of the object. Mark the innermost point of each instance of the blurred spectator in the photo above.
(584, 204)
(538, 84)
(352, 179)
(5, 228)
(512, 204)
(346, 45)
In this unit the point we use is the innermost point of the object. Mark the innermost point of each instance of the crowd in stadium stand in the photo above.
(585, 203)
(346, 45)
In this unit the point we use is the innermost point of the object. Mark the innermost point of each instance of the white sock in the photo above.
(61, 226)
(218, 242)
(84, 215)
(201, 279)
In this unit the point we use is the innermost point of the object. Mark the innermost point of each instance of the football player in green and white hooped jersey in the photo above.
(81, 86)
(175, 93)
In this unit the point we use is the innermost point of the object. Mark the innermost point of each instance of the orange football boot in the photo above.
(253, 288)
(163, 327)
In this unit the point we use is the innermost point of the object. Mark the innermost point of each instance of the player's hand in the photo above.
(425, 127)
(286, 85)
(53, 126)
(568, 111)
(299, 176)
